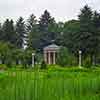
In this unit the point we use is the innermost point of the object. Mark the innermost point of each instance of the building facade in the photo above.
(50, 53)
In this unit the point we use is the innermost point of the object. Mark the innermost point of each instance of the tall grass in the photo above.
(50, 85)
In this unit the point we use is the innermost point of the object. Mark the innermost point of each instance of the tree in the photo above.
(6, 53)
(65, 58)
(13, 33)
(5, 29)
(70, 35)
(34, 40)
(44, 22)
(1, 33)
(47, 33)
(9, 34)
(85, 34)
(31, 23)
(89, 36)
(56, 30)
(20, 32)
(33, 33)
(96, 36)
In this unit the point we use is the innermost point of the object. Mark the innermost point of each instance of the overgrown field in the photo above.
(58, 84)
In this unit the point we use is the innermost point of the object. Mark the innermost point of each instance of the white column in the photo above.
(33, 59)
(54, 57)
(49, 58)
(80, 59)
(19, 62)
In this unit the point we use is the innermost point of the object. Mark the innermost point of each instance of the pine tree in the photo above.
(45, 23)
(32, 30)
(1, 33)
(96, 36)
(70, 35)
(9, 34)
(89, 36)
(5, 29)
(12, 32)
(21, 32)
(86, 29)
(31, 23)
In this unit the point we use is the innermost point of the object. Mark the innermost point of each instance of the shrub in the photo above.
(8, 64)
(87, 62)
(65, 58)
(3, 67)
(43, 65)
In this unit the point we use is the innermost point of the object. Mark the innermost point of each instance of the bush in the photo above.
(8, 64)
(87, 62)
(65, 58)
(43, 65)
(3, 67)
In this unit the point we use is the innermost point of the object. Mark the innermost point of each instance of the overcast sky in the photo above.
(62, 10)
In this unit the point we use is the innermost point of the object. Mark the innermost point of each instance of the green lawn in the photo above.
(52, 84)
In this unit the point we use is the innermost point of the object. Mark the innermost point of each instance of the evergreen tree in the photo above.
(21, 32)
(5, 29)
(1, 33)
(89, 36)
(86, 29)
(56, 31)
(31, 23)
(12, 32)
(70, 35)
(9, 34)
(45, 23)
(96, 36)
(32, 29)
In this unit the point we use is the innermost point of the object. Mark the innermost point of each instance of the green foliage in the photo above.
(6, 53)
(87, 62)
(27, 58)
(8, 32)
(47, 33)
(70, 35)
(85, 33)
(43, 65)
(65, 58)
(31, 23)
(20, 32)
(88, 36)
(81, 34)
(3, 67)
(45, 21)
(33, 33)
(10, 56)
(52, 85)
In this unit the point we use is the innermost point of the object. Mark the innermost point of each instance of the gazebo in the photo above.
(50, 53)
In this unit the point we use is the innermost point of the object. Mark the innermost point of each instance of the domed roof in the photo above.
(52, 47)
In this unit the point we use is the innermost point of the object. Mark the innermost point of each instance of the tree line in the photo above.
(81, 34)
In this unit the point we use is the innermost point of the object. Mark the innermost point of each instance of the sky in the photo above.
(62, 10)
